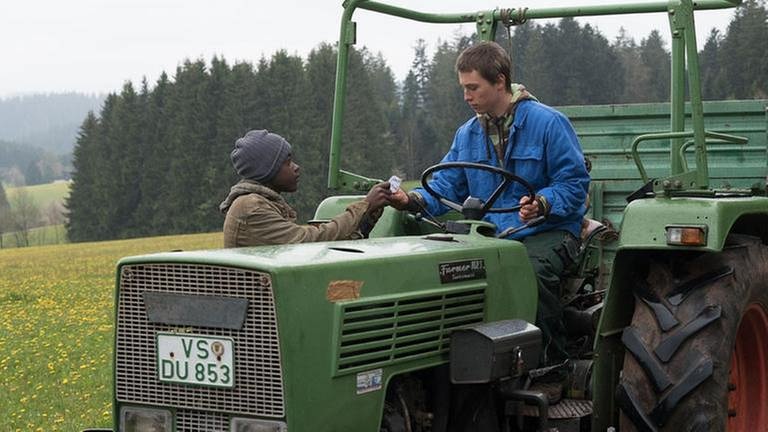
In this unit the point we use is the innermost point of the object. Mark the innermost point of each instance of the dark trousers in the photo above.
(551, 253)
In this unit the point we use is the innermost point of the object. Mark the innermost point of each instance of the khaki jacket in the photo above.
(257, 215)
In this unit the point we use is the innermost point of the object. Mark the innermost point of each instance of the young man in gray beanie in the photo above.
(256, 213)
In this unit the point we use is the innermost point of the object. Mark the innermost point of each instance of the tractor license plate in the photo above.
(195, 359)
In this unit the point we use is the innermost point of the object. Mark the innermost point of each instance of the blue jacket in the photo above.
(542, 149)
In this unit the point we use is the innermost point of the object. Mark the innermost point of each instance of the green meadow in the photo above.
(45, 194)
(44, 235)
(56, 330)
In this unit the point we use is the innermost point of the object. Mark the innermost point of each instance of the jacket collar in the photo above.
(245, 187)
(521, 113)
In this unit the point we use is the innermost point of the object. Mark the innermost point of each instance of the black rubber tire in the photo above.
(679, 346)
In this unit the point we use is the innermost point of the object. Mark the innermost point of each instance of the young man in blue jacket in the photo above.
(513, 131)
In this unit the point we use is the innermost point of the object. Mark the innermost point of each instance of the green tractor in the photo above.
(429, 324)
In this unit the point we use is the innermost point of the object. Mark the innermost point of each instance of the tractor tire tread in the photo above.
(687, 311)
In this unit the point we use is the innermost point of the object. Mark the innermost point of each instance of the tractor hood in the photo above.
(275, 259)
(337, 318)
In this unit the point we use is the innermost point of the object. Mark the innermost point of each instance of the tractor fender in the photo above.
(646, 220)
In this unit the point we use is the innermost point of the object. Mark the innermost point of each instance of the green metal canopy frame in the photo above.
(685, 62)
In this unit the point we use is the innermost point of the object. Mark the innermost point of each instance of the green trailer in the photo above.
(425, 328)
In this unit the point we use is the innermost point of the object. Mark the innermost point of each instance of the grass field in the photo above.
(56, 330)
(45, 235)
(44, 194)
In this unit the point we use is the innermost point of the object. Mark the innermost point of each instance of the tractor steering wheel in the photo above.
(478, 208)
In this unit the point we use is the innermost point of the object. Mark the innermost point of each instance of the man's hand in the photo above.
(378, 197)
(399, 200)
(529, 209)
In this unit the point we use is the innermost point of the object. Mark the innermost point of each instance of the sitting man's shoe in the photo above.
(551, 381)
(552, 390)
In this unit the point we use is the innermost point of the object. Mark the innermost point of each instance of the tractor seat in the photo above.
(590, 227)
(593, 230)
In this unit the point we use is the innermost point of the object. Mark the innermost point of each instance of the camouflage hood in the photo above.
(519, 93)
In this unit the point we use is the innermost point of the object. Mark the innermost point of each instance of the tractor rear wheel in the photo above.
(697, 348)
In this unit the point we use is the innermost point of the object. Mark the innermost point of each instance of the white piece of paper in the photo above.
(394, 183)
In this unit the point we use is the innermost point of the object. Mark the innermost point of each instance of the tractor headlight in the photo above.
(136, 419)
(254, 425)
(683, 235)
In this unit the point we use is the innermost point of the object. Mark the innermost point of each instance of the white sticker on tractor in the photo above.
(369, 381)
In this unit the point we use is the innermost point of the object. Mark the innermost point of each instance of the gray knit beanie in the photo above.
(259, 155)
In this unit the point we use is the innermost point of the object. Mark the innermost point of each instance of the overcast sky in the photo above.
(96, 45)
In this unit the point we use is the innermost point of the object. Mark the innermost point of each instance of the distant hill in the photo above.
(38, 133)
(47, 121)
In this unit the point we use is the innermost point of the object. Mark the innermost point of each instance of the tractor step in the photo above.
(565, 409)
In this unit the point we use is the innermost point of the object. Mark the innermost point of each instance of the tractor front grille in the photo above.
(196, 421)
(258, 387)
(394, 329)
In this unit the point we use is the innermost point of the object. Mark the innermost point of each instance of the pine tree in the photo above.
(102, 166)
(320, 74)
(636, 74)
(445, 107)
(572, 64)
(522, 41)
(535, 72)
(712, 85)
(744, 52)
(409, 154)
(123, 141)
(156, 161)
(368, 143)
(656, 59)
(236, 117)
(385, 88)
(566, 88)
(188, 136)
(213, 179)
(420, 68)
(415, 135)
(282, 86)
(81, 203)
(598, 62)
